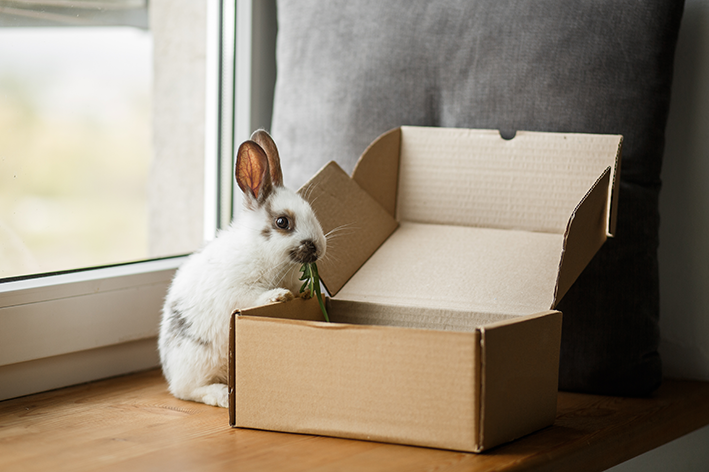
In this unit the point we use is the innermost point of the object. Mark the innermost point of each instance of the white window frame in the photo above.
(69, 328)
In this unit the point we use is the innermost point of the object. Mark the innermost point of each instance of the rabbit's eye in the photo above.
(282, 222)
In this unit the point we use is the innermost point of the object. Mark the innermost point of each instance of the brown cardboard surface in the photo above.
(475, 178)
(366, 382)
(379, 174)
(298, 309)
(471, 179)
(358, 224)
(519, 377)
(458, 268)
(381, 314)
(585, 235)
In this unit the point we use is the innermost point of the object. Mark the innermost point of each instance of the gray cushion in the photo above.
(350, 70)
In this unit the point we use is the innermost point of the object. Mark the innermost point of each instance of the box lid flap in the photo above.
(583, 236)
(468, 177)
(485, 224)
(355, 223)
(378, 174)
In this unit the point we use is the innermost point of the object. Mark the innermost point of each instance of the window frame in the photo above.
(63, 329)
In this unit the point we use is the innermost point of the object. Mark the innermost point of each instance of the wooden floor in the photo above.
(131, 423)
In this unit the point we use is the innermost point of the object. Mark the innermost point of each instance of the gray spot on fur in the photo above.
(179, 328)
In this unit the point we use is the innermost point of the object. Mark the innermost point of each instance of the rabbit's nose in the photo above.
(306, 252)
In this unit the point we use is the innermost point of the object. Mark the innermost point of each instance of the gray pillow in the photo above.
(350, 70)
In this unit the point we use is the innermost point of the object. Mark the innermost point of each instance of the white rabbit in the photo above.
(253, 262)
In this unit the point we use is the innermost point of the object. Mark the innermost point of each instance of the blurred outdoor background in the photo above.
(75, 141)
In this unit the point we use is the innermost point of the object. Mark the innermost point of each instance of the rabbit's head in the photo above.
(286, 225)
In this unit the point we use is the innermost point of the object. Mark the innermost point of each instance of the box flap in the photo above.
(467, 177)
(584, 235)
(378, 173)
(355, 223)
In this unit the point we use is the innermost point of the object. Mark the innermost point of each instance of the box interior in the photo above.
(461, 268)
(381, 314)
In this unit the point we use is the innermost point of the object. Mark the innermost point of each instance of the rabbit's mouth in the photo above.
(305, 253)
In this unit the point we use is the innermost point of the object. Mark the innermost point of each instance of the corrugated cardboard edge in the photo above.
(231, 371)
(615, 189)
(519, 377)
(377, 170)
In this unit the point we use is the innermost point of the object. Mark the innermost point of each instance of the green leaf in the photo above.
(312, 281)
(305, 273)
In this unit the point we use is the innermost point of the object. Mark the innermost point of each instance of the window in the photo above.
(82, 325)
(75, 144)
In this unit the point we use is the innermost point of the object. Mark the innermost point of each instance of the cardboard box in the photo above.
(453, 247)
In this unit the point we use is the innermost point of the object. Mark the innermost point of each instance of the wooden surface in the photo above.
(132, 423)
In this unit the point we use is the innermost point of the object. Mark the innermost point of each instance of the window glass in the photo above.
(75, 138)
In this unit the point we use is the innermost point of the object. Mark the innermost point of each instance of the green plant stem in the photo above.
(312, 282)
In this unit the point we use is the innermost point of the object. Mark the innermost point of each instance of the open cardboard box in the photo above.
(451, 249)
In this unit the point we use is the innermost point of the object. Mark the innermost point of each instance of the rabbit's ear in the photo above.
(252, 171)
(274, 161)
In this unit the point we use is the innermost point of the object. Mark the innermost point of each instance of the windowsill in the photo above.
(132, 422)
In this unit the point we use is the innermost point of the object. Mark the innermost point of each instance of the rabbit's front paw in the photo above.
(276, 295)
(281, 295)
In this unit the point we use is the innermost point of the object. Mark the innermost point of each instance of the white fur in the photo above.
(241, 268)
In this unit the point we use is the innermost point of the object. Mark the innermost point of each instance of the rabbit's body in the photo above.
(253, 262)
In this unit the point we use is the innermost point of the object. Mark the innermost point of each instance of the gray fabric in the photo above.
(350, 70)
